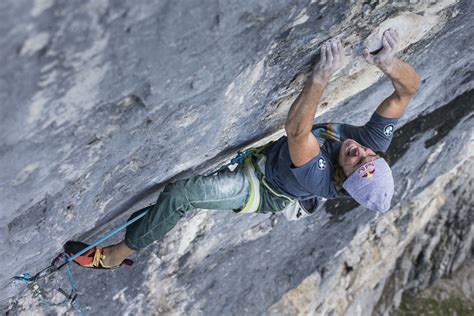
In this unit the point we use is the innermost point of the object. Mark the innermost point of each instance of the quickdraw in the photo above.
(40, 293)
(237, 160)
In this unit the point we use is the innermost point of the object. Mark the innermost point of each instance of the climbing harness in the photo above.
(253, 202)
(253, 162)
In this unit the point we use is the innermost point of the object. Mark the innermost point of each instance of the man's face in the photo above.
(352, 155)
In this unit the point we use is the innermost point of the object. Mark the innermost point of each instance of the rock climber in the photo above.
(313, 161)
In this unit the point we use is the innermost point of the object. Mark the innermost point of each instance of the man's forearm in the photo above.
(404, 78)
(301, 115)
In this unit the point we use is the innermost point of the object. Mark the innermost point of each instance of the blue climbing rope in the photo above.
(75, 301)
(62, 260)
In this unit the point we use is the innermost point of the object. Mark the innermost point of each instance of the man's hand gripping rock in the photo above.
(332, 54)
(385, 59)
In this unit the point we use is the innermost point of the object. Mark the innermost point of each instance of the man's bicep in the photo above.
(303, 149)
(393, 106)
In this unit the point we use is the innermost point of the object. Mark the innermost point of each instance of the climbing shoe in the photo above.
(93, 258)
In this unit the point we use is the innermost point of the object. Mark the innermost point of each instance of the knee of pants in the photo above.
(176, 196)
(177, 188)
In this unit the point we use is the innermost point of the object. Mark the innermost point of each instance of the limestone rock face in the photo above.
(105, 101)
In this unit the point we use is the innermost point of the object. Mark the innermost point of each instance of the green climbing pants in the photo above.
(226, 190)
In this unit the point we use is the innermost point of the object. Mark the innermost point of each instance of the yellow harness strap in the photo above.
(253, 202)
(251, 171)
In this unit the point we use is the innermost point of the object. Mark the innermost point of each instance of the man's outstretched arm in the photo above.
(302, 143)
(404, 78)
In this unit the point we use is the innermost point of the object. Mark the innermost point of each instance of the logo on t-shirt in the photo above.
(367, 170)
(388, 130)
(321, 163)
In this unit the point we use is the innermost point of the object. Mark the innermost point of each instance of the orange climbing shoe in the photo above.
(93, 258)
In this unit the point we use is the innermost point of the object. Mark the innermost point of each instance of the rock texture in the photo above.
(447, 296)
(104, 102)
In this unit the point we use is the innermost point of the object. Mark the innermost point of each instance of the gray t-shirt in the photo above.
(315, 177)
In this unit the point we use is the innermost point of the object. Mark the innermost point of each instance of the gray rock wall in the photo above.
(104, 101)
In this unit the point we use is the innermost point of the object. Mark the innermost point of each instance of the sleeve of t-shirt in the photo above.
(315, 175)
(376, 134)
